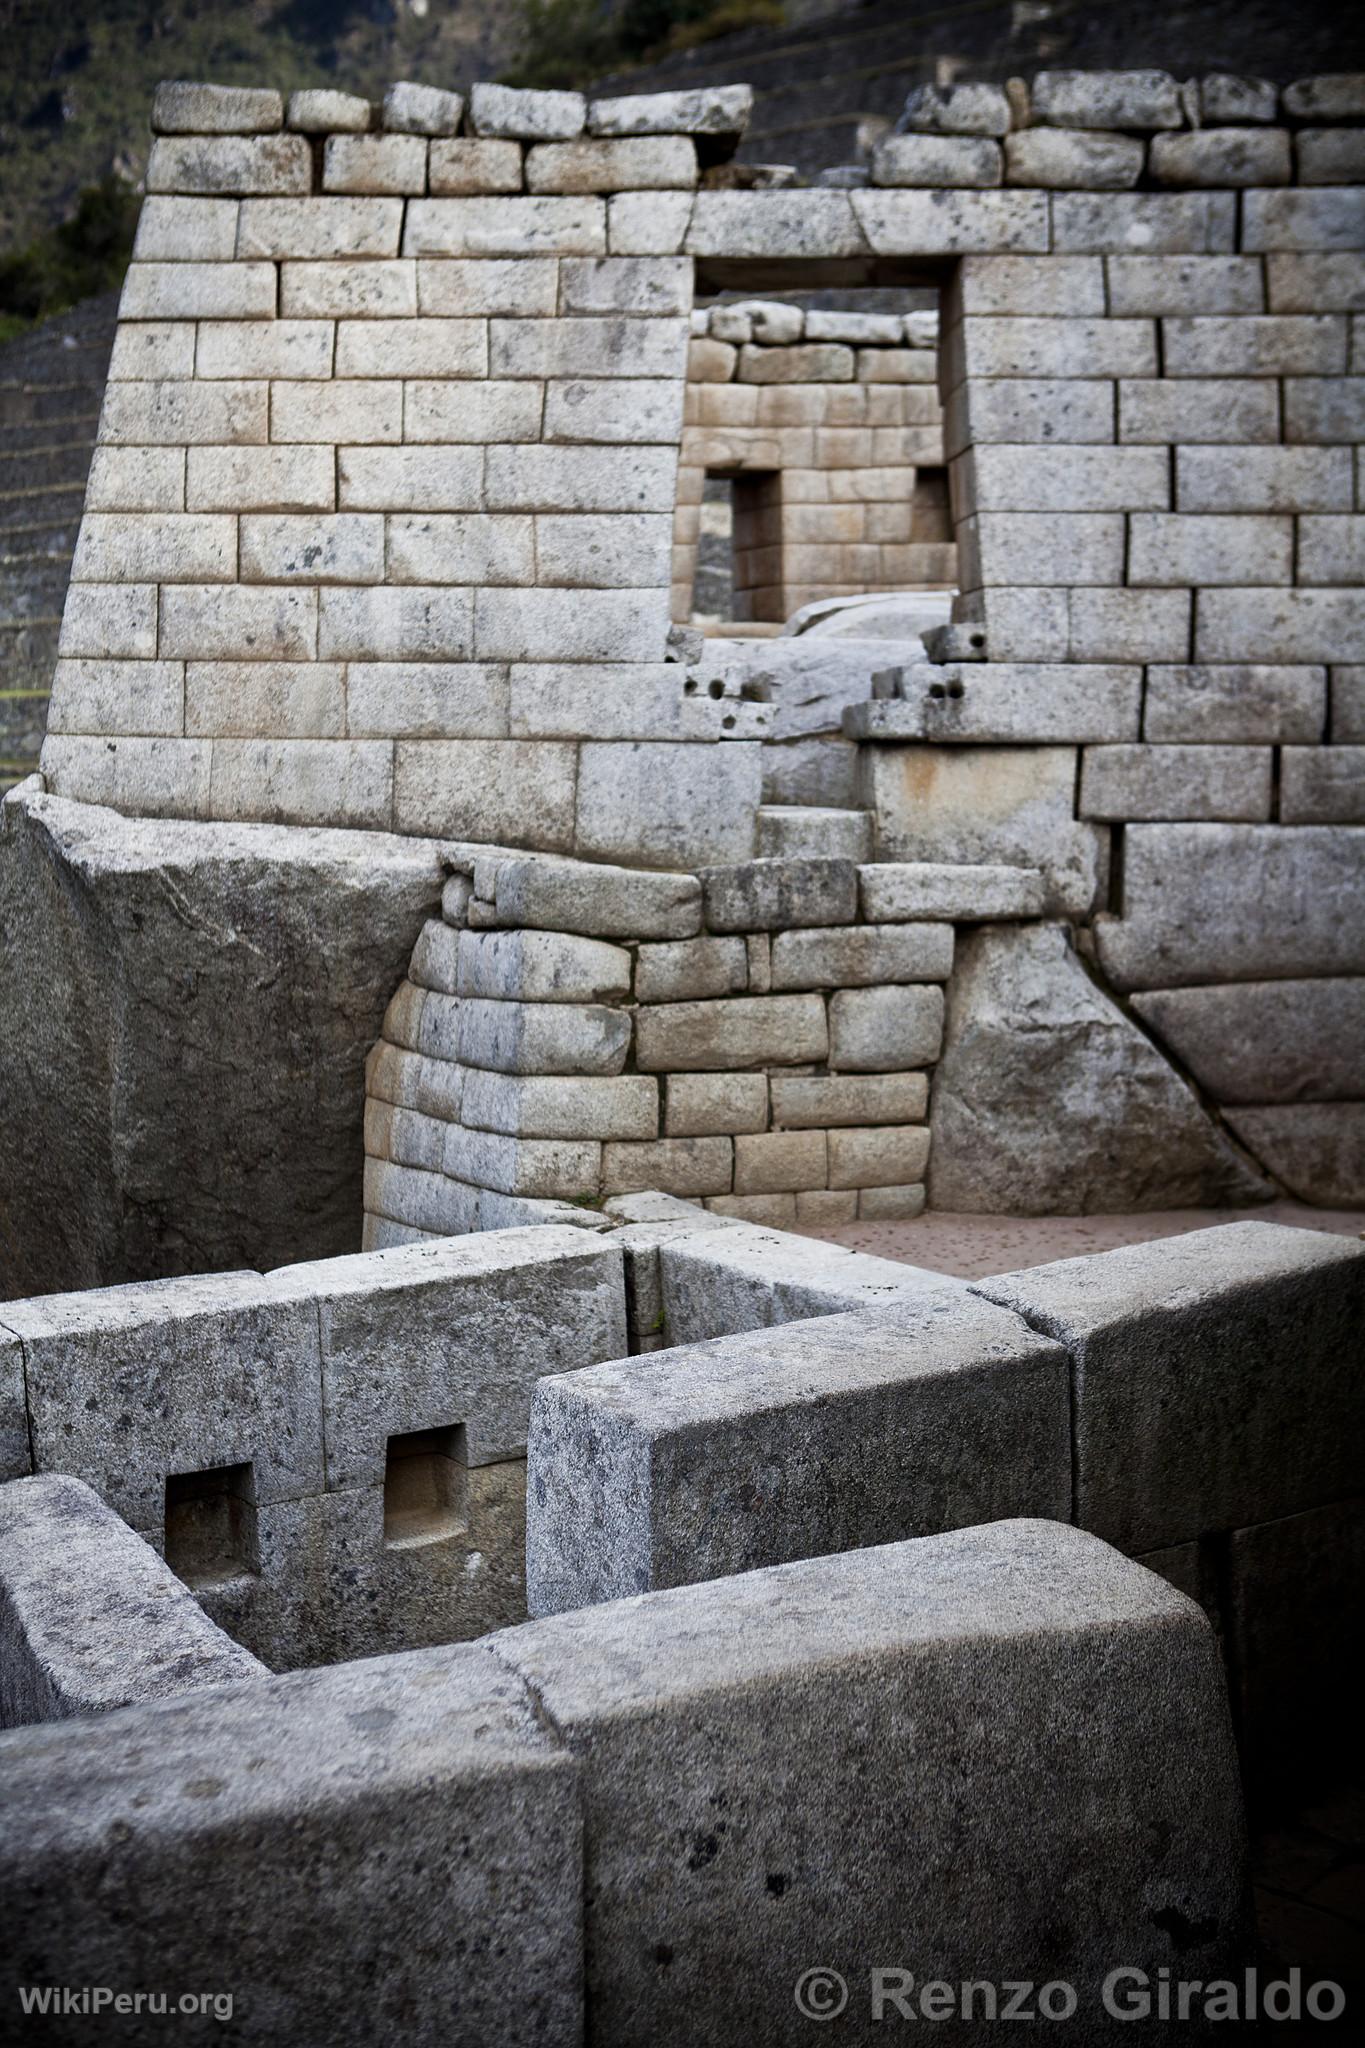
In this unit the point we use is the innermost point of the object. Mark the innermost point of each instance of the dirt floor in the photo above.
(975, 1246)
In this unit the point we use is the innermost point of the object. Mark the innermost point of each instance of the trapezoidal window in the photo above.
(211, 1533)
(426, 1487)
(812, 465)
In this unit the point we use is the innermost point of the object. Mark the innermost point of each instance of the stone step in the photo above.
(789, 831)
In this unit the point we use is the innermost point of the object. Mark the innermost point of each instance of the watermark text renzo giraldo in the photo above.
(1126, 1993)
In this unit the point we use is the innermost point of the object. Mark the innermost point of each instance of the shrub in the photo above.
(85, 255)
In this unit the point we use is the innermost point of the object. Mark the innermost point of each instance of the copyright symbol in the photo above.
(820, 1994)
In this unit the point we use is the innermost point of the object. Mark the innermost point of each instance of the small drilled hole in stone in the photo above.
(211, 1533)
(426, 1486)
(955, 689)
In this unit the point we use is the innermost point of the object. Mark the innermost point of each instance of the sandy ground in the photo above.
(974, 1246)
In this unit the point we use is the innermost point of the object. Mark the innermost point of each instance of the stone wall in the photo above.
(380, 533)
(557, 1833)
(332, 1455)
(761, 1037)
(1193, 1401)
(829, 425)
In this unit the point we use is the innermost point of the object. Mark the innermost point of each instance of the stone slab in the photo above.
(1174, 1435)
(1266, 1041)
(823, 1759)
(750, 1278)
(991, 806)
(964, 892)
(716, 1458)
(90, 1618)
(452, 1334)
(1316, 1149)
(1286, 905)
(276, 1805)
(601, 900)
(129, 1385)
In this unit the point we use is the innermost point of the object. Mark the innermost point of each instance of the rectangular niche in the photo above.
(211, 1534)
(426, 1487)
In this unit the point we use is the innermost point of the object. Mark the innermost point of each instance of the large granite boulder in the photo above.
(185, 1011)
(1049, 1101)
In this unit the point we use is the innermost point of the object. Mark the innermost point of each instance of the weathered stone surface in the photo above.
(541, 967)
(1266, 1041)
(682, 1166)
(968, 108)
(936, 160)
(747, 1031)
(716, 1458)
(706, 110)
(1250, 702)
(804, 1101)
(767, 894)
(330, 1586)
(918, 889)
(1005, 701)
(930, 1666)
(1173, 1436)
(878, 1156)
(528, 116)
(746, 1278)
(883, 1029)
(1076, 159)
(90, 1618)
(435, 1335)
(317, 111)
(568, 1106)
(543, 1038)
(712, 1105)
(1316, 1149)
(129, 1385)
(411, 109)
(691, 968)
(779, 1162)
(667, 805)
(607, 902)
(16, 1459)
(182, 108)
(1287, 905)
(1047, 1101)
(847, 956)
(1106, 99)
(175, 994)
(276, 1803)
(987, 805)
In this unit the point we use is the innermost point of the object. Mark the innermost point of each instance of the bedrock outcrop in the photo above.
(185, 1011)
(1049, 1101)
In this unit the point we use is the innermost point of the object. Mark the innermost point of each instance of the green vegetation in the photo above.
(571, 42)
(85, 255)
